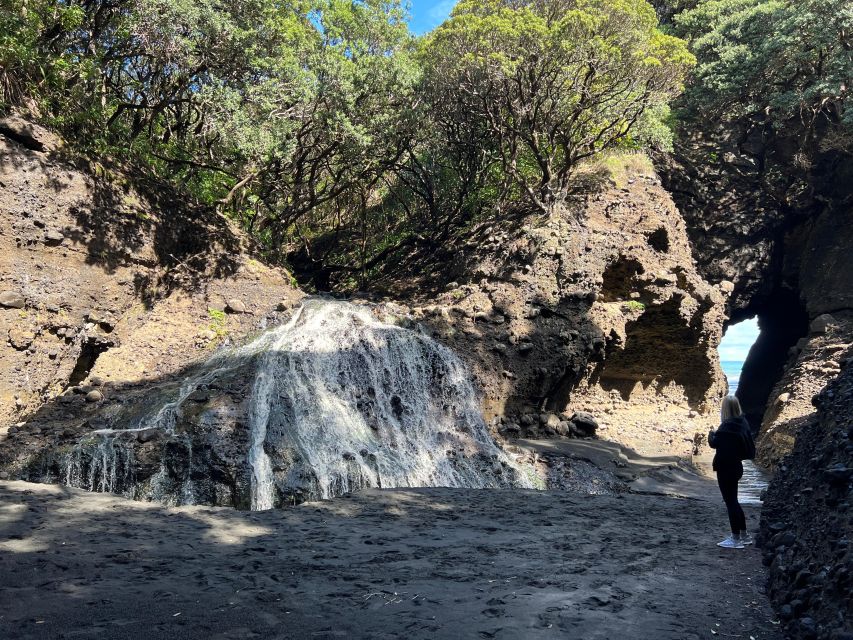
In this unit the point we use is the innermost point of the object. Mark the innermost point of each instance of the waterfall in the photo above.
(343, 400)
(338, 400)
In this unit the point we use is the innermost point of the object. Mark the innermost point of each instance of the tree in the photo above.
(553, 82)
(789, 62)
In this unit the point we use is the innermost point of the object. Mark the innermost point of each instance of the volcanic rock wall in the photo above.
(806, 528)
(597, 308)
(782, 234)
(778, 223)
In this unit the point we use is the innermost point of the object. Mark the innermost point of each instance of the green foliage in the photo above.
(325, 128)
(634, 305)
(552, 83)
(217, 323)
(788, 61)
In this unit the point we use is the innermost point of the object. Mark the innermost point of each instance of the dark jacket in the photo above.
(733, 442)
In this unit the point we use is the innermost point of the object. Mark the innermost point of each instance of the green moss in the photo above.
(217, 324)
(633, 305)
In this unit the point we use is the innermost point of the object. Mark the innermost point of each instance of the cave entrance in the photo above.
(781, 321)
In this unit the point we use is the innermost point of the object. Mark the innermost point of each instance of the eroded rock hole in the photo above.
(660, 347)
(782, 321)
(659, 240)
(89, 352)
(619, 279)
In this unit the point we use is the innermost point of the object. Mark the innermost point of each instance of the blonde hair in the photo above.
(731, 408)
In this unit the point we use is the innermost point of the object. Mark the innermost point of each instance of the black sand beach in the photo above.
(418, 563)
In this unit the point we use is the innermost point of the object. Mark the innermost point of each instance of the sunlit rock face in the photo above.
(334, 400)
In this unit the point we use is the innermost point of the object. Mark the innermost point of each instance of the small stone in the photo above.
(235, 306)
(12, 300)
(726, 286)
(21, 339)
(94, 396)
(52, 237)
(525, 347)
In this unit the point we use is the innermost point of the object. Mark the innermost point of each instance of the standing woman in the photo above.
(734, 443)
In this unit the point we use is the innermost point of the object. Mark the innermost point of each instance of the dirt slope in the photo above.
(107, 282)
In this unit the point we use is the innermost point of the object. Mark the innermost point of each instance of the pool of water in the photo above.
(753, 483)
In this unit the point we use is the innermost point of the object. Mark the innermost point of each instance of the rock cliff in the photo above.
(776, 219)
(776, 223)
(806, 529)
(598, 309)
(107, 285)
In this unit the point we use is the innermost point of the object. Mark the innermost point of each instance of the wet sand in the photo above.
(418, 563)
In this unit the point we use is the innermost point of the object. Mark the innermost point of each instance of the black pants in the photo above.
(728, 479)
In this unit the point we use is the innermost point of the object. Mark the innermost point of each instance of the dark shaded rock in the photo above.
(147, 435)
(585, 423)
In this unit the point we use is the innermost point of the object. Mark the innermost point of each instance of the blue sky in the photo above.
(428, 14)
(738, 339)
(734, 348)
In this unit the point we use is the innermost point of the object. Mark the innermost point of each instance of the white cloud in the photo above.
(738, 340)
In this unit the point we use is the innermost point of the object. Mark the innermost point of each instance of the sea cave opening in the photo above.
(754, 351)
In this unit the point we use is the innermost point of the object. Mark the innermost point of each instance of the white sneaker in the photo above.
(745, 538)
(731, 543)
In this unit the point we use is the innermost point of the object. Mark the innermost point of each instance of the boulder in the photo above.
(94, 396)
(822, 323)
(585, 423)
(12, 300)
(52, 237)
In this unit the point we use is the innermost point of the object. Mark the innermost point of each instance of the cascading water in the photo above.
(343, 400)
(338, 400)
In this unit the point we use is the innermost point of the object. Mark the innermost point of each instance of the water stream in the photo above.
(339, 400)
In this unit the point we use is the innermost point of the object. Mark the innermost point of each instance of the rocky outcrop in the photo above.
(597, 308)
(107, 285)
(775, 220)
(591, 321)
(806, 529)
